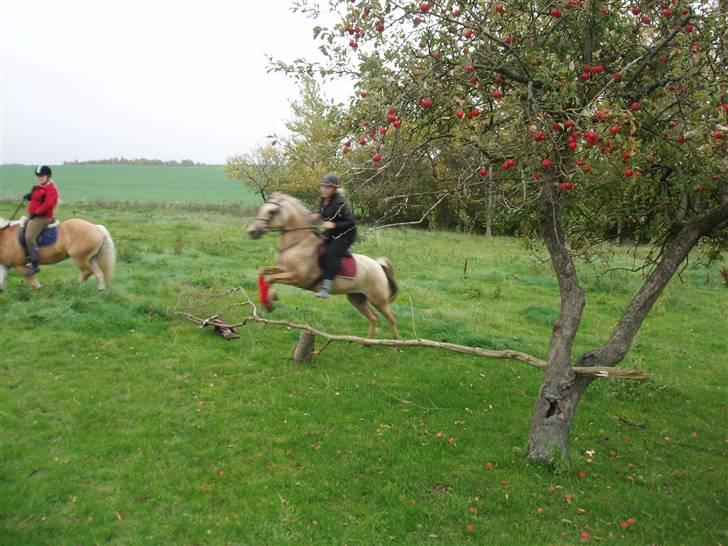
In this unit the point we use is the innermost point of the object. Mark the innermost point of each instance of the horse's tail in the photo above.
(106, 257)
(389, 271)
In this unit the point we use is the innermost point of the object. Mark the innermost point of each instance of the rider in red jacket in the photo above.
(43, 200)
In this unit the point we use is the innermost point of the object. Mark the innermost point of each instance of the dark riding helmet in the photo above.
(43, 170)
(330, 180)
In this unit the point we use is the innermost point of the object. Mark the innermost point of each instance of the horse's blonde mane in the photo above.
(289, 199)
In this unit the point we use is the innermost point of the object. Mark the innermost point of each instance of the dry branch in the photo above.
(595, 371)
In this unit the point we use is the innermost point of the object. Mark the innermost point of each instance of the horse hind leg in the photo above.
(98, 273)
(84, 265)
(384, 308)
(362, 305)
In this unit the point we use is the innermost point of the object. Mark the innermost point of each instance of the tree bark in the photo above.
(557, 398)
(304, 347)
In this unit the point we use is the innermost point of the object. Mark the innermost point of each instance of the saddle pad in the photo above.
(347, 269)
(48, 237)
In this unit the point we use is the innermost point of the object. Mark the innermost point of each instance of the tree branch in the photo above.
(592, 372)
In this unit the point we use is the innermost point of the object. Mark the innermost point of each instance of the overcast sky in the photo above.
(87, 79)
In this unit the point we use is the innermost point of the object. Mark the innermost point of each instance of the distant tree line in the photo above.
(139, 161)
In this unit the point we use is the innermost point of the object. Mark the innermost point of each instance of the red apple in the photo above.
(539, 136)
(363, 141)
(667, 12)
(546, 163)
(396, 123)
(497, 94)
(585, 536)
(636, 10)
(363, 94)
(468, 34)
(425, 7)
(556, 12)
(500, 10)
(460, 114)
(569, 123)
(379, 26)
(391, 118)
(483, 172)
(614, 129)
(377, 158)
(634, 106)
(689, 27)
(628, 172)
(718, 135)
(425, 103)
(469, 68)
(474, 113)
(646, 20)
(489, 466)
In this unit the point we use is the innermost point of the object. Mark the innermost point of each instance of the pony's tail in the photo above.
(389, 271)
(106, 257)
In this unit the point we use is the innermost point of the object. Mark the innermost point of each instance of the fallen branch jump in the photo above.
(612, 373)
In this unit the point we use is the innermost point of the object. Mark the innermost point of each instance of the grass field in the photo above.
(122, 423)
(146, 183)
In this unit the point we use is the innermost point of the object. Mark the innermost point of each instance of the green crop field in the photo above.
(146, 183)
(123, 423)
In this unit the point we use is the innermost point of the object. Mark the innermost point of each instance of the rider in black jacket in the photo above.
(340, 230)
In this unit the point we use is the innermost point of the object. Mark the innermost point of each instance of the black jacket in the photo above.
(337, 212)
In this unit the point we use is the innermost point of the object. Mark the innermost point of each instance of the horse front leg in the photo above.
(285, 277)
(4, 270)
(32, 280)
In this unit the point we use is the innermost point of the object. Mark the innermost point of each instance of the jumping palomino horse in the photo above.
(298, 251)
(90, 246)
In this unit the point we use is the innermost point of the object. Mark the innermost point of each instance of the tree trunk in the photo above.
(558, 396)
(489, 207)
(561, 389)
(304, 347)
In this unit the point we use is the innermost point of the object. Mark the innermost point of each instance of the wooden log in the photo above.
(304, 347)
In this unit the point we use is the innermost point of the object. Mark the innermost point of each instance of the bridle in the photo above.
(267, 220)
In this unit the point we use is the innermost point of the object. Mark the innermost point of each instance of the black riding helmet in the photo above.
(330, 180)
(43, 170)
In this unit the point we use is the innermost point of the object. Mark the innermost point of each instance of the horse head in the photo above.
(279, 213)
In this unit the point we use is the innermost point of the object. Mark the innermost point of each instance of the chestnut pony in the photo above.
(90, 246)
(298, 261)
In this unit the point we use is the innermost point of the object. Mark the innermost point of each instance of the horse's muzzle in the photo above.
(255, 233)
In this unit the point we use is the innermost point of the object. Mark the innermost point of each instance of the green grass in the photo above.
(122, 423)
(146, 183)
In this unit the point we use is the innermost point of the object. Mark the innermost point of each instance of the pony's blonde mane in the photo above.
(290, 200)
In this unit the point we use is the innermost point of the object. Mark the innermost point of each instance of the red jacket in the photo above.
(43, 200)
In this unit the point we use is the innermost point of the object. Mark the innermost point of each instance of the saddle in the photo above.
(348, 263)
(47, 237)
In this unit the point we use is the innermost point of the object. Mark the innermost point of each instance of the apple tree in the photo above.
(593, 120)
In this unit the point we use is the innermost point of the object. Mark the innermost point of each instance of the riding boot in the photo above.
(325, 289)
(33, 265)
